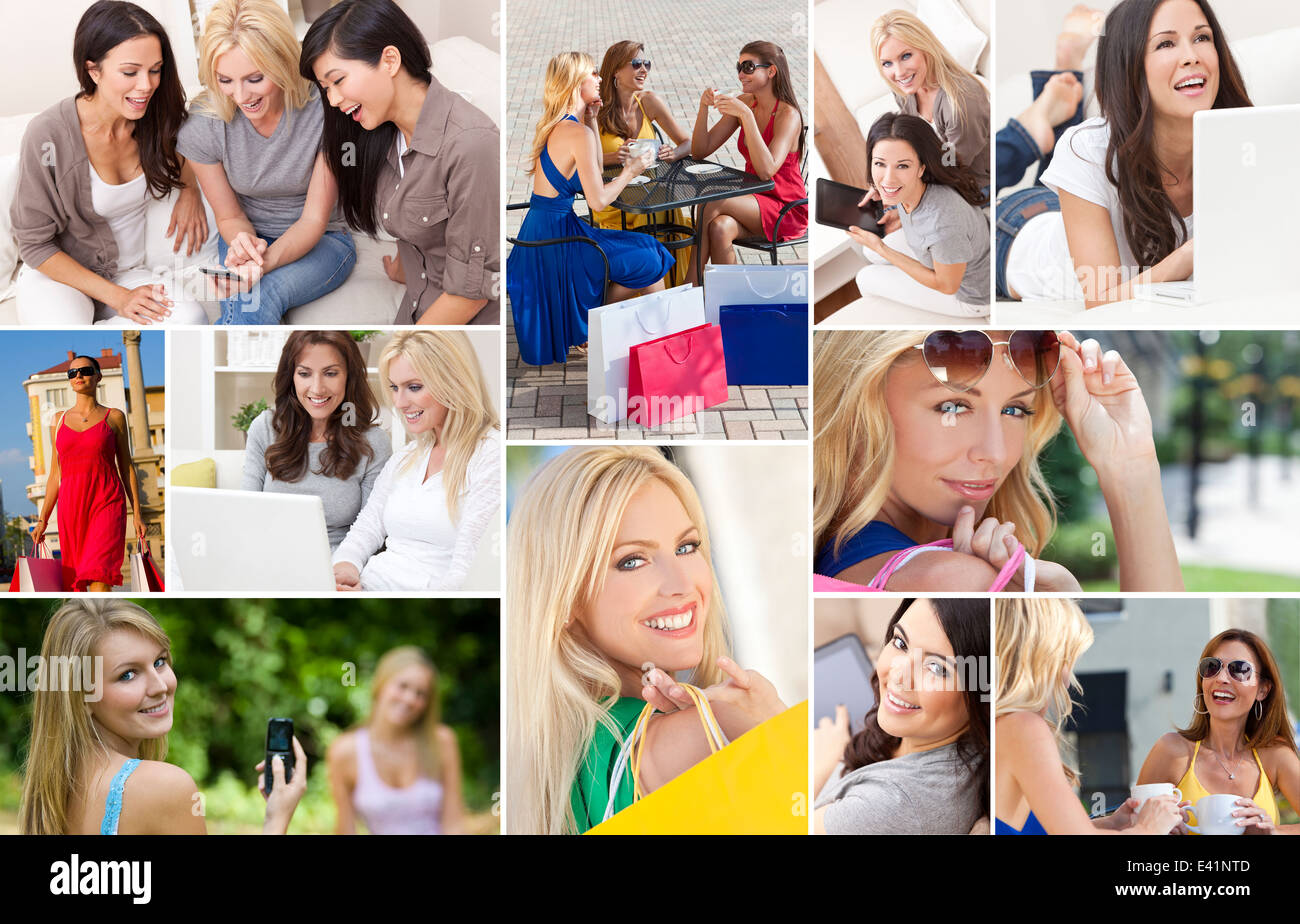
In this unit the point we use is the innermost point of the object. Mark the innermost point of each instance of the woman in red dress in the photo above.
(89, 479)
(771, 140)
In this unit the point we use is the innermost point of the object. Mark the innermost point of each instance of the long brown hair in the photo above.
(1148, 214)
(609, 119)
(1271, 727)
(782, 88)
(916, 132)
(346, 444)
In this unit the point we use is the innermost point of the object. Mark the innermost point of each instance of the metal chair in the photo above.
(758, 241)
(517, 206)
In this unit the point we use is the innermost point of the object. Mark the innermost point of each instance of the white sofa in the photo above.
(367, 298)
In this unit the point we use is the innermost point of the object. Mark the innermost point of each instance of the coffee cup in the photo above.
(1213, 815)
(1147, 791)
(645, 148)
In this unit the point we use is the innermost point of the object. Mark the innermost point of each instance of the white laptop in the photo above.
(1246, 203)
(248, 541)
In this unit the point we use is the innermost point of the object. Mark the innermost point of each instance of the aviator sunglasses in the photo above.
(959, 359)
(1238, 670)
(748, 67)
(638, 63)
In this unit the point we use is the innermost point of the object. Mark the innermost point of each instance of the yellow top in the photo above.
(1193, 791)
(612, 217)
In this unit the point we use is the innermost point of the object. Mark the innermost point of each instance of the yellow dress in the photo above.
(614, 218)
(1193, 791)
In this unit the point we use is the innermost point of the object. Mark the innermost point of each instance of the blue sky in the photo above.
(26, 352)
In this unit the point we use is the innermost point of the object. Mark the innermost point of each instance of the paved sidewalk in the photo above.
(693, 44)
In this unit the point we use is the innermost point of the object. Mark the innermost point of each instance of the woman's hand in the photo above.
(141, 527)
(708, 98)
(346, 576)
(1102, 404)
(867, 240)
(996, 543)
(393, 268)
(590, 113)
(249, 274)
(1179, 263)
(743, 700)
(1253, 818)
(668, 153)
(635, 166)
(731, 106)
(1124, 816)
(38, 532)
(143, 304)
(664, 693)
(283, 797)
(624, 151)
(1158, 815)
(189, 222)
(245, 248)
(830, 738)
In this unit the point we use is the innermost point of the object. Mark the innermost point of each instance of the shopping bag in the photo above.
(766, 344)
(676, 375)
(749, 284)
(612, 331)
(41, 572)
(145, 576)
(757, 784)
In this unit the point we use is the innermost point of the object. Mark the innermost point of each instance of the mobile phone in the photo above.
(837, 206)
(219, 272)
(279, 742)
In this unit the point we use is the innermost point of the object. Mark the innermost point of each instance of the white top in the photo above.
(424, 549)
(123, 207)
(401, 149)
(1039, 264)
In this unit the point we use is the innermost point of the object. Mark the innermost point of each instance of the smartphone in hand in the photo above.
(220, 272)
(279, 742)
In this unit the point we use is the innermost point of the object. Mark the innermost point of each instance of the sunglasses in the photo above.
(1237, 670)
(959, 359)
(748, 67)
(638, 63)
(86, 371)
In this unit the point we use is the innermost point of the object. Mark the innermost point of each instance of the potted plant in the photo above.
(363, 338)
(247, 414)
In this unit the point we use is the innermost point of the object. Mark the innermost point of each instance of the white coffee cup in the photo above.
(1214, 815)
(646, 148)
(1150, 790)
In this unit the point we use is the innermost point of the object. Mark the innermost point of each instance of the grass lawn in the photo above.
(1204, 579)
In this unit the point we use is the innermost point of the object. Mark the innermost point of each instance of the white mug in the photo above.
(1214, 815)
(647, 148)
(1150, 790)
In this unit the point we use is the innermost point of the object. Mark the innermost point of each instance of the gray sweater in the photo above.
(343, 498)
(969, 137)
(929, 792)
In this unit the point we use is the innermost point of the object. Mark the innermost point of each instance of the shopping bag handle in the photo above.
(662, 326)
(668, 350)
(779, 290)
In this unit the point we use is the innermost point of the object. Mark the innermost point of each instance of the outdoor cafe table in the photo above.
(671, 187)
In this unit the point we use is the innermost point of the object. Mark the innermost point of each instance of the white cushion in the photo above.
(1270, 66)
(954, 29)
(470, 69)
(8, 249)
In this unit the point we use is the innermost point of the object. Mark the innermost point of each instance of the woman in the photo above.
(95, 764)
(271, 191)
(946, 266)
(771, 141)
(400, 771)
(1239, 706)
(919, 437)
(553, 287)
(611, 579)
(1123, 182)
(929, 83)
(920, 765)
(628, 113)
(437, 495)
(321, 437)
(79, 218)
(1038, 643)
(410, 157)
(91, 468)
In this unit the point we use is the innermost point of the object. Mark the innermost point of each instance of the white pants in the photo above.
(42, 302)
(882, 278)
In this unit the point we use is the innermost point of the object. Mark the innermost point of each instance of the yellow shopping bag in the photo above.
(758, 784)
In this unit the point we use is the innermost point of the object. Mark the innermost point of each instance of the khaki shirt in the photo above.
(444, 207)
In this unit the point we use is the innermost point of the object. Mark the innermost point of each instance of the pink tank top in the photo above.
(415, 809)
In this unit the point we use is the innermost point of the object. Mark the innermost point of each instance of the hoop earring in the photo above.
(1199, 696)
(1259, 709)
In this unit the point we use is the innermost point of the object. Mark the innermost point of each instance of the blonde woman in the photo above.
(399, 772)
(611, 571)
(921, 438)
(553, 287)
(254, 137)
(95, 764)
(436, 495)
(1039, 641)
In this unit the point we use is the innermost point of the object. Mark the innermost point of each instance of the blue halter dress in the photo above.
(552, 288)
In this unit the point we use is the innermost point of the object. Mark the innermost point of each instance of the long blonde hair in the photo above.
(426, 733)
(1039, 641)
(447, 365)
(64, 743)
(942, 69)
(564, 74)
(561, 534)
(261, 30)
(853, 442)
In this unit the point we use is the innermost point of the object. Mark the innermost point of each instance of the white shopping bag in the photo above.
(612, 331)
(740, 284)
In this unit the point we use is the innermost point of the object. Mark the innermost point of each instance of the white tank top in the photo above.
(123, 207)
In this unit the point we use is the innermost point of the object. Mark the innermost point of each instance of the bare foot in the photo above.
(1058, 101)
(1082, 25)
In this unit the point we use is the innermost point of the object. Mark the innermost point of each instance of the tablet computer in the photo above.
(837, 206)
(842, 675)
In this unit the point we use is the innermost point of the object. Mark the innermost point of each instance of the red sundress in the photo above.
(91, 508)
(789, 188)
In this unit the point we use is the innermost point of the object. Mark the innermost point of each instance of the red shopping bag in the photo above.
(144, 572)
(676, 375)
(41, 572)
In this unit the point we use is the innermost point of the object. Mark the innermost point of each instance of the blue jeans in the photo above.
(1015, 149)
(319, 271)
(1013, 211)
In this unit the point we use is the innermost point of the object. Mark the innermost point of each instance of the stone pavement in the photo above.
(693, 44)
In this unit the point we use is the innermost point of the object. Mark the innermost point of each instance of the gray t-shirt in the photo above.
(945, 228)
(930, 792)
(270, 176)
(343, 498)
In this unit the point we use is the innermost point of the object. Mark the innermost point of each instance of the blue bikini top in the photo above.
(113, 804)
(876, 539)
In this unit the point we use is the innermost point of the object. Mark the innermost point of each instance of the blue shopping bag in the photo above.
(765, 344)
